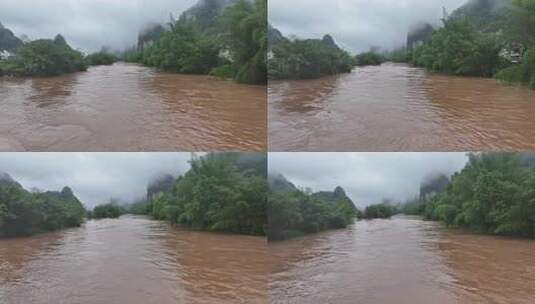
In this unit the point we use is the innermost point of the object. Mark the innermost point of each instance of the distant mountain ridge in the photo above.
(279, 184)
(487, 15)
(8, 41)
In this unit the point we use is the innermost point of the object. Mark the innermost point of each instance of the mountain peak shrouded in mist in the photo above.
(149, 34)
(6, 179)
(8, 41)
(337, 195)
(329, 40)
(433, 184)
(274, 36)
(161, 184)
(279, 184)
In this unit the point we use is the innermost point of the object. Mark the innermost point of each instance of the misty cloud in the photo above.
(93, 177)
(356, 24)
(367, 177)
(88, 24)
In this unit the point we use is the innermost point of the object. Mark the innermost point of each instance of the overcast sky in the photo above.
(93, 177)
(367, 178)
(356, 24)
(88, 24)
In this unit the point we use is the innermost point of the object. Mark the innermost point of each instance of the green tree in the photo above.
(45, 58)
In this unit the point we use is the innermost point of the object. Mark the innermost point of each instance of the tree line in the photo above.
(293, 212)
(307, 58)
(51, 57)
(222, 192)
(476, 41)
(25, 213)
(232, 44)
(493, 194)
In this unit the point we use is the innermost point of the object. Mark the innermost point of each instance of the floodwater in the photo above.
(395, 107)
(403, 260)
(127, 107)
(133, 260)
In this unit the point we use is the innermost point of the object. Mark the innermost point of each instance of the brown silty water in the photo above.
(403, 260)
(133, 260)
(126, 107)
(395, 107)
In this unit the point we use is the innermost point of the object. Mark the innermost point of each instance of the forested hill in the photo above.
(224, 38)
(224, 192)
(279, 184)
(292, 212)
(305, 58)
(206, 12)
(493, 194)
(8, 41)
(24, 213)
(486, 15)
(274, 37)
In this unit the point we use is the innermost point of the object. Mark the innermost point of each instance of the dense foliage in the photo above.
(379, 211)
(44, 58)
(223, 192)
(307, 59)
(26, 213)
(369, 58)
(459, 48)
(182, 50)
(101, 58)
(494, 194)
(295, 213)
(473, 41)
(246, 38)
(109, 210)
(521, 73)
(234, 45)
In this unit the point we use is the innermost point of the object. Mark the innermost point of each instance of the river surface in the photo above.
(403, 260)
(133, 260)
(126, 107)
(395, 107)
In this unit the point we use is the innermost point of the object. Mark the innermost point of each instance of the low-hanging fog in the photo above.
(367, 178)
(93, 177)
(88, 24)
(357, 25)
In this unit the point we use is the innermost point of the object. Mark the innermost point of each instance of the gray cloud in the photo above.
(356, 24)
(88, 24)
(366, 177)
(94, 177)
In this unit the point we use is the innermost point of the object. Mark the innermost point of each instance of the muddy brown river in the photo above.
(133, 260)
(395, 107)
(126, 107)
(403, 260)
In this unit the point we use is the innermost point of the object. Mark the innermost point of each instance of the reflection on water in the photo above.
(126, 107)
(133, 260)
(395, 107)
(403, 260)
